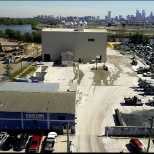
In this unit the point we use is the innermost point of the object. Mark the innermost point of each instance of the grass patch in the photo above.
(25, 71)
(28, 71)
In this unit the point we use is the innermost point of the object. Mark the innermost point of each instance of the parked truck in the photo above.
(133, 101)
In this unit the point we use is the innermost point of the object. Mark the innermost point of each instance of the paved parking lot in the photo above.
(60, 145)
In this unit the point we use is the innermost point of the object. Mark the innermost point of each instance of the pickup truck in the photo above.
(50, 141)
(35, 143)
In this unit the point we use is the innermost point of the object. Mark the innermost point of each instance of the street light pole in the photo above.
(68, 151)
(150, 135)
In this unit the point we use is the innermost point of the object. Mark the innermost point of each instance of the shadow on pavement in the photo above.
(123, 104)
(43, 146)
(116, 120)
(130, 148)
(27, 145)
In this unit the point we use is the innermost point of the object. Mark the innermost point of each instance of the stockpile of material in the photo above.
(138, 118)
(112, 44)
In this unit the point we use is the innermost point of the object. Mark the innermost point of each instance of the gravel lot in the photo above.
(99, 93)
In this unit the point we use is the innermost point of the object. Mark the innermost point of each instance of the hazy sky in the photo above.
(73, 8)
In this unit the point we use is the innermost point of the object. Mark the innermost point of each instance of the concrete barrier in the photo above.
(128, 131)
(118, 116)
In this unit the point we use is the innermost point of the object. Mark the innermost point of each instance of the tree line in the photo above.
(16, 21)
(135, 38)
(26, 37)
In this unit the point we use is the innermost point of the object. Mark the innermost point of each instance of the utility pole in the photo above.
(68, 142)
(150, 134)
(21, 64)
(96, 64)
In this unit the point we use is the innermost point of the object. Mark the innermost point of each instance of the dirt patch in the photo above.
(78, 74)
(119, 60)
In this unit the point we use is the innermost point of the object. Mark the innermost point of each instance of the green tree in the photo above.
(27, 37)
(8, 69)
(37, 36)
(1, 33)
(139, 38)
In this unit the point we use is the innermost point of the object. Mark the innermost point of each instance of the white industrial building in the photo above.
(85, 44)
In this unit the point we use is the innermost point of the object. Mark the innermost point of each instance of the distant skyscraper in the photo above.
(143, 14)
(98, 17)
(106, 17)
(137, 12)
(128, 17)
(151, 14)
(120, 17)
(109, 15)
(116, 18)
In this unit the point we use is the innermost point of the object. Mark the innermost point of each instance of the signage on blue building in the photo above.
(42, 116)
(34, 116)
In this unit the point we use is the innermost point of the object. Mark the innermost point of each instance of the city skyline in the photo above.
(23, 9)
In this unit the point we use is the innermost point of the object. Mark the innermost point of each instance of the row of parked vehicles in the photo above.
(135, 101)
(11, 141)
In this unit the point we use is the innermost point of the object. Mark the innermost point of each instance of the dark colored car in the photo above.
(8, 144)
(20, 143)
(137, 145)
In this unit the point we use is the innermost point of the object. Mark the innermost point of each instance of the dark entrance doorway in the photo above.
(46, 57)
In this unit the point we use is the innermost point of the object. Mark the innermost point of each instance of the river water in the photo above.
(22, 28)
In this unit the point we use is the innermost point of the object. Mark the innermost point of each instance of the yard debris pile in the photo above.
(138, 118)
(112, 44)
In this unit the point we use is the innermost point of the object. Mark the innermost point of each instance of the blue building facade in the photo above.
(38, 121)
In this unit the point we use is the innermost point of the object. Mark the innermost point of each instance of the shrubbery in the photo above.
(139, 38)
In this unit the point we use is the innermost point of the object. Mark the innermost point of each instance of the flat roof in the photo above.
(72, 30)
(44, 102)
(33, 87)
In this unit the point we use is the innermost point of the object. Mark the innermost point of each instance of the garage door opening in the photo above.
(46, 57)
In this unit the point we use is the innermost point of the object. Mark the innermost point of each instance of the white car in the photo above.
(148, 74)
(50, 141)
(3, 137)
(40, 63)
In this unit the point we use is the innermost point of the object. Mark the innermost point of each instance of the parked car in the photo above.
(148, 74)
(3, 137)
(49, 145)
(50, 141)
(137, 145)
(151, 101)
(52, 136)
(35, 143)
(8, 144)
(20, 144)
(40, 63)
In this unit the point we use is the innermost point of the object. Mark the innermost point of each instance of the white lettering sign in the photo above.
(34, 116)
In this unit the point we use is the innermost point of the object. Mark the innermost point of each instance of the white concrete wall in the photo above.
(54, 43)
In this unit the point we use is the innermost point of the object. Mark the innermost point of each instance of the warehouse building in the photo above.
(29, 109)
(85, 44)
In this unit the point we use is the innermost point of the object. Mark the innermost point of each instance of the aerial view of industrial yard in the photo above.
(76, 76)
